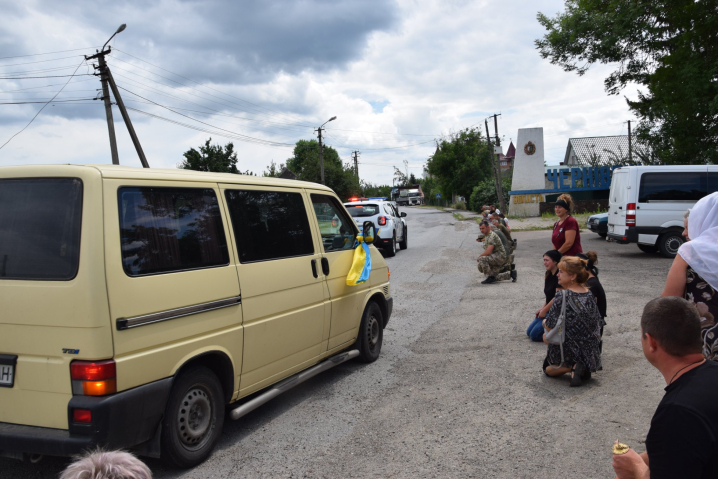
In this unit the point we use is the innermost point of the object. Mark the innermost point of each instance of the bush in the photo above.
(459, 205)
(485, 193)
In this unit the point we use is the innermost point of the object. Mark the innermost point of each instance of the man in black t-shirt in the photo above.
(683, 439)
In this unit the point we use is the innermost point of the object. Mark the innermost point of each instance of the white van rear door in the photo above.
(618, 198)
(663, 197)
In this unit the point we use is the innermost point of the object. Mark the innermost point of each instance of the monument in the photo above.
(528, 173)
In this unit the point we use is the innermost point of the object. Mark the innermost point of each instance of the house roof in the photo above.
(598, 150)
(511, 152)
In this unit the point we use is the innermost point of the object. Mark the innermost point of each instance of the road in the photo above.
(458, 390)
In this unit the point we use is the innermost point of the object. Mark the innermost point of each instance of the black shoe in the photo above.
(579, 372)
(513, 275)
(489, 280)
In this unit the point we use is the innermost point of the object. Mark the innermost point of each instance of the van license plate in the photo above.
(7, 370)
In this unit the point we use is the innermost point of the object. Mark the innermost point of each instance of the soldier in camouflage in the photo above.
(493, 259)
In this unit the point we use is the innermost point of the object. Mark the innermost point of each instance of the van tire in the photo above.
(391, 249)
(196, 400)
(404, 243)
(668, 243)
(371, 333)
(648, 248)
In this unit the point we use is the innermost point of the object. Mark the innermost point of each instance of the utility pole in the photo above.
(321, 148)
(496, 166)
(630, 146)
(105, 78)
(356, 163)
(108, 106)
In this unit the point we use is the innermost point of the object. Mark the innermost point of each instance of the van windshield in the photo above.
(40, 220)
(363, 210)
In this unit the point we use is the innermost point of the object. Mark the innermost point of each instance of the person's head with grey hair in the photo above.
(685, 224)
(107, 465)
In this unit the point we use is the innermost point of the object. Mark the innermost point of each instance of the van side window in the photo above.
(170, 229)
(40, 224)
(712, 182)
(337, 229)
(672, 187)
(269, 225)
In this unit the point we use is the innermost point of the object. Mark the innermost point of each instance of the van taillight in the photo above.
(93, 378)
(382, 221)
(82, 416)
(631, 214)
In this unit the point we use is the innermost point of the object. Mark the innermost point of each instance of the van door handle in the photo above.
(325, 267)
(314, 268)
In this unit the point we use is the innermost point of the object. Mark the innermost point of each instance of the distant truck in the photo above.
(408, 195)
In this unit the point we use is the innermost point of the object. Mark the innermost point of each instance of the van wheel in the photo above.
(371, 333)
(404, 243)
(391, 250)
(193, 419)
(648, 248)
(669, 243)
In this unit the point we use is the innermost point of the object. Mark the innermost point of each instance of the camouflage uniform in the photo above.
(492, 264)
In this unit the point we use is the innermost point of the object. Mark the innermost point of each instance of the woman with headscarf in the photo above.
(694, 273)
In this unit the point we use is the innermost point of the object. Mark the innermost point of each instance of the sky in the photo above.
(397, 74)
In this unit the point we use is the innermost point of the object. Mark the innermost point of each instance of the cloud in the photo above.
(396, 74)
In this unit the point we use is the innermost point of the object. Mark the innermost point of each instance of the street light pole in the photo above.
(321, 149)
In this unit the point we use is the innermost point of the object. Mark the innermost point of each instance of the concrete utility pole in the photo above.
(496, 166)
(321, 148)
(356, 163)
(630, 146)
(106, 78)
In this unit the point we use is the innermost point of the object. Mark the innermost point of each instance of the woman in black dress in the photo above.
(582, 355)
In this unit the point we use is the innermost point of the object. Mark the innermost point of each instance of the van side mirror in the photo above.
(369, 231)
(403, 215)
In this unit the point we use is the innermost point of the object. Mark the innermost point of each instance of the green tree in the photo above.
(412, 179)
(273, 170)
(460, 162)
(668, 47)
(369, 190)
(485, 193)
(211, 158)
(305, 164)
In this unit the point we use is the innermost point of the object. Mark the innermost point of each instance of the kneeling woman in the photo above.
(550, 261)
(582, 321)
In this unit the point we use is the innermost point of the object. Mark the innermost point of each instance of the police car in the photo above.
(386, 218)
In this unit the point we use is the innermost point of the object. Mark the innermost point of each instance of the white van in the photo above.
(647, 203)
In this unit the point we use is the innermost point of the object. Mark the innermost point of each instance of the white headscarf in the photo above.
(701, 252)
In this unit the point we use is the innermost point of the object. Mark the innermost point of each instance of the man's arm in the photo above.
(489, 249)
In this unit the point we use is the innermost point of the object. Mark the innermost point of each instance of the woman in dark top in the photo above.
(566, 237)
(581, 350)
(550, 262)
(694, 273)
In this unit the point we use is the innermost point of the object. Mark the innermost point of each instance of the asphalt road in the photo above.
(458, 390)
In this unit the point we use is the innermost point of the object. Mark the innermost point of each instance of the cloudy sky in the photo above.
(264, 74)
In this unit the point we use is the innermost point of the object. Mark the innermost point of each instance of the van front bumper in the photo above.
(122, 420)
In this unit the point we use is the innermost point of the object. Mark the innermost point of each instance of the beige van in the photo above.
(136, 304)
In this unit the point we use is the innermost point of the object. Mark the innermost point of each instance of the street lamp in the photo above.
(321, 150)
(119, 29)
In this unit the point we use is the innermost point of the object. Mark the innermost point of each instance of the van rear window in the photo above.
(360, 211)
(170, 229)
(40, 222)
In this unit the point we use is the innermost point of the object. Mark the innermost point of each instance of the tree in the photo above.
(273, 170)
(211, 158)
(369, 190)
(400, 178)
(412, 179)
(666, 46)
(305, 164)
(460, 162)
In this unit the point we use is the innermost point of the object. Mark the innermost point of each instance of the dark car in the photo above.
(598, 224)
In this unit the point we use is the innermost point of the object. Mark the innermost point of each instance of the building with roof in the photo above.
(605, 151)
(507, 160)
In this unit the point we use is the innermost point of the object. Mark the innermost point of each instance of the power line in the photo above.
(43, 107)
(48, 53)
(248, 138)
(49, 76)
(39, 61)
(51, 100)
